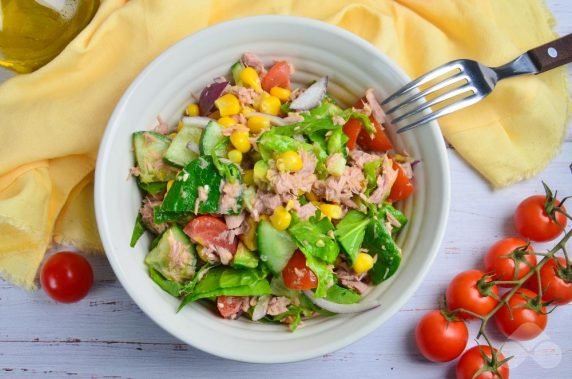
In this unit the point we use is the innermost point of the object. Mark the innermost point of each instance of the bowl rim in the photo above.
(104, 150)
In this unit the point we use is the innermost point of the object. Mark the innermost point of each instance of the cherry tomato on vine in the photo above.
(523, 317)
(474, 360)
(441, 337)
(540, 218)
(66, 277)
(501, 260)
(473, 291)
(556, 282)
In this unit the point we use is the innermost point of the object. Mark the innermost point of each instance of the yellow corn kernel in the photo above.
(248, 177)
(228, 105)
(270, 105)
(282, 93)
(172, 135)
(180, 126)
(235, 156)
(311, 197)
(289, 161)
(289, 205)
(200, 253)
(247, 110)
(260, 171)
(331, 211)
(263, 217)
(249, 76)
(192, 110)
(281, 218)
(249, 238)
(226, 122)
(239, 140)
(257, 123)
(363, 263)
(169, 184)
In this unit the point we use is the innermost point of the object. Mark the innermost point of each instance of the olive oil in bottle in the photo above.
(33, 32)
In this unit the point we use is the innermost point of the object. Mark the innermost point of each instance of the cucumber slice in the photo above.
(178, 152)
(210, 138)
(173, 256)
(149, 149)
(275, 247)
(235, 70)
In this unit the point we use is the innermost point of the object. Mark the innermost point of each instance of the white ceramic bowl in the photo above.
(164, 87)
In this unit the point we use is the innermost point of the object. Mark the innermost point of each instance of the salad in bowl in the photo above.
(274, 203)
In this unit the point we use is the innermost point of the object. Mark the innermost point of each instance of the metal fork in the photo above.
(466, 82)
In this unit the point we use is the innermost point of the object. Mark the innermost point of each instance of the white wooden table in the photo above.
(107, 335)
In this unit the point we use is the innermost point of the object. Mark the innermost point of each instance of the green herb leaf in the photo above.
(138, 230)
(350, 232)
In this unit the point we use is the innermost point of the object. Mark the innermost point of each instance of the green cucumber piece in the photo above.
(275, 247)
(149, 150)
(174, 256)
(178, 153)
(235, 70)
(212, 135)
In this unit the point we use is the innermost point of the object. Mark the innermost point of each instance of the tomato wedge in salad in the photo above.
(277, 76)
(297, 275)
(207, 231)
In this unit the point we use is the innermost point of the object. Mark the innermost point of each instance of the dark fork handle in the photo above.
(553, 54)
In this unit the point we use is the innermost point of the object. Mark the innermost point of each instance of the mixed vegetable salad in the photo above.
(276, 204)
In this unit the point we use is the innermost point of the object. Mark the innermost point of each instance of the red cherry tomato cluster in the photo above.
(514, 289)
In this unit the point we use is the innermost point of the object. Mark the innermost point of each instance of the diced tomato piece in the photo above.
(209, 230)
(352, 129)
(297, 275)
(277, 76)
(380, 142)
(229, 306)
(402, 187)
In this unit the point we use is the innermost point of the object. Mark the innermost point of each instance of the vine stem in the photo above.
(561, 245)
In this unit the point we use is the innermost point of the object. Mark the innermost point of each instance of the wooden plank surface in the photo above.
(107, 335)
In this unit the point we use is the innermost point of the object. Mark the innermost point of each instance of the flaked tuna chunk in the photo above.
(246, 96)
(360, 157)
(162, 127)
(230, 193)
(231, 307)
(278, 305)
(376, 110)
(341, 189)
(295, 183)
(350, 280)
(252, 60)
(146, 210)
(234, 221)
(384, 182)
(306, 211)
(264, 203)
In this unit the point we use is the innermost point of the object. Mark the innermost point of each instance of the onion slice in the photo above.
(312, 97)
(199, 122)
(260, 308)
(341, 308)
(208, 96)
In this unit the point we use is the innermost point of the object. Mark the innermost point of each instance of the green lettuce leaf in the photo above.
(350, 232)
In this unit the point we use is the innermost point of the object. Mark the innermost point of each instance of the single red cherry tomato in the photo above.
(533, 218)
(523, 317)
(472, 291)
(352, 129)
(277, 76)
(66, 277)
(380, 141)
(501, 260)
(473, 361)
(229, 307)
(210, 231)
(556, 282)
(402, 188)
(297, 275)
(441, 338)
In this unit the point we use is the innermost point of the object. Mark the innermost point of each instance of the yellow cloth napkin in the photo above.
(51, 120)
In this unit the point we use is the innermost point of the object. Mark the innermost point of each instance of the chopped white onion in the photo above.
(194, 147)
(312, 97)
(197, 121)
(260, 308)
(341, 308)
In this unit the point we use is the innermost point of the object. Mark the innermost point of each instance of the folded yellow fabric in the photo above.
(51, 120)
